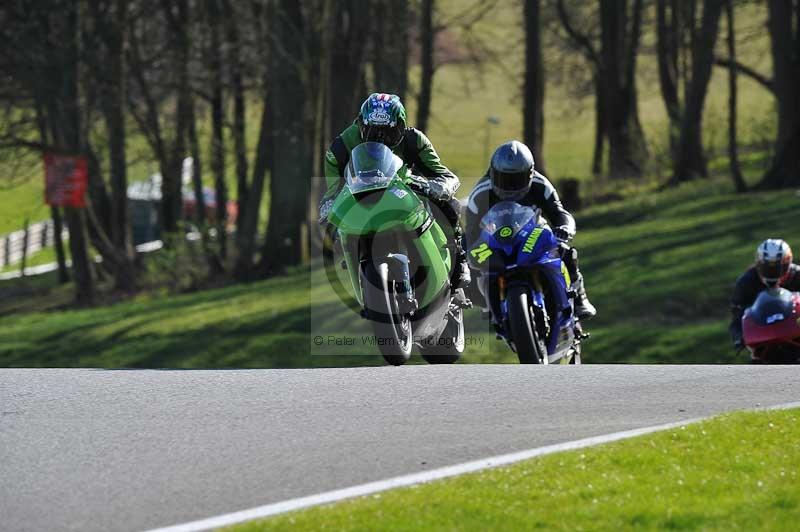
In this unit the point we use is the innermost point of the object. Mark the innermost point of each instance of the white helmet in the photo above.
(773, 259)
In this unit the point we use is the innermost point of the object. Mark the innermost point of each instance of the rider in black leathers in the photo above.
(773, 268)
(512, 177)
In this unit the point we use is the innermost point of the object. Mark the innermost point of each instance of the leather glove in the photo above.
(324, 210)
(564, 233)
(438, 191)
(419, 185)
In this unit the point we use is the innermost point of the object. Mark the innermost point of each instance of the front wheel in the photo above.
(450, 345)
(530, 348)
(392, 329)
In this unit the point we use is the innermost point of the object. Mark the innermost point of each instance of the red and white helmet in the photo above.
(773, 259)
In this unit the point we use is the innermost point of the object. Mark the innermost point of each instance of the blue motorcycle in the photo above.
(526, 285)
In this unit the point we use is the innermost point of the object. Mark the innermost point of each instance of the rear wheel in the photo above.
(450, 345)
(392, 329)
(530, 348)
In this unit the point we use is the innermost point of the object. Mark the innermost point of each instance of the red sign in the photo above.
(65, 178)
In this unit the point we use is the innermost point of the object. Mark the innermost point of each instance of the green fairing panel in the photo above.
(376, 201)
(397, 209)
(433, 241)
(433, 253)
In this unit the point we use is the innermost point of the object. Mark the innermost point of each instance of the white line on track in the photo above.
(423, 477)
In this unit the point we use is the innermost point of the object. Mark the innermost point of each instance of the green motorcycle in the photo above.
(397, 259)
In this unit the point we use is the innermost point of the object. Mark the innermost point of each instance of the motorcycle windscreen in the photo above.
(771, 318)
(772, 306)
(505, 219)
(372, 166)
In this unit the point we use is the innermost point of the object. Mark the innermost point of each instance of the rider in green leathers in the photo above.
(382, 118)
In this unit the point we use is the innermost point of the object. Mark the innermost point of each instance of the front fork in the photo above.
(400, 272)
(499, 306)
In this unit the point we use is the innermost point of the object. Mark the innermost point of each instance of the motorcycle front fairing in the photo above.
(512, 241)
(377, 203)
(773, 318)
(539, 253)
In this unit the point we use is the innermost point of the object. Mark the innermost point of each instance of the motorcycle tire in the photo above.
(451, 343)
(392, 330)
(530, 348)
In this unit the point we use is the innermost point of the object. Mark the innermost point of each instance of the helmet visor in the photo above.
(771, 272)
(387, 135)
(511, 182)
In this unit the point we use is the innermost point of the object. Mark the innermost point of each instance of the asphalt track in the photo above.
(132, 450)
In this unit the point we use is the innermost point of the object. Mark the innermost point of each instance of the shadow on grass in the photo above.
(276, 340)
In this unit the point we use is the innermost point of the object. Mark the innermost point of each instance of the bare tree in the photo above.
(159, 74)
(390, 45)
(427, 67)
(348, 27)
(533, 107)
(293, 140)
(733, 149)
(690, 161)
(250, 203)
(587, 44)
(670, 28)
(42, 81)
(621, 28)
(784, 31)
(236, 62)
(108, 70)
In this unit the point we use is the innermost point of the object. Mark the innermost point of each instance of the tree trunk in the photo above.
(172, 161)
(390, 46)
(217, 129)
(585, 44)
(427, 68)
(113, 110)
(351, 22)
(55, 212)
(690, 161)
(628, 149)
(247, 224)
(239, 109)
(66, 123)
(61, 259)
(785, 40)
(599, 127)
(667, 47)
(533, 108)
(293, 144)
(200, 215)
(733, 149)
(246, 235)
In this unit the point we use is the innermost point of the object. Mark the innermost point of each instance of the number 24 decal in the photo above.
(481, 253)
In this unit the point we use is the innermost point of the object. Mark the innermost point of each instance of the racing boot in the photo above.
(584, 309)
(460, 276)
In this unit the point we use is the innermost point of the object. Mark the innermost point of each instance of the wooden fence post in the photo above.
(43, 235)
(8, 251)
(24, 249)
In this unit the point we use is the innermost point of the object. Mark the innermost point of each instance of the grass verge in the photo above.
(736, 471)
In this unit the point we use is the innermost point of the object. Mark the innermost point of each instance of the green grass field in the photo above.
(733, 472)
(659, 268)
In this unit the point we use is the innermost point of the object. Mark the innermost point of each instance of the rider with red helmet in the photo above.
(773, 269)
